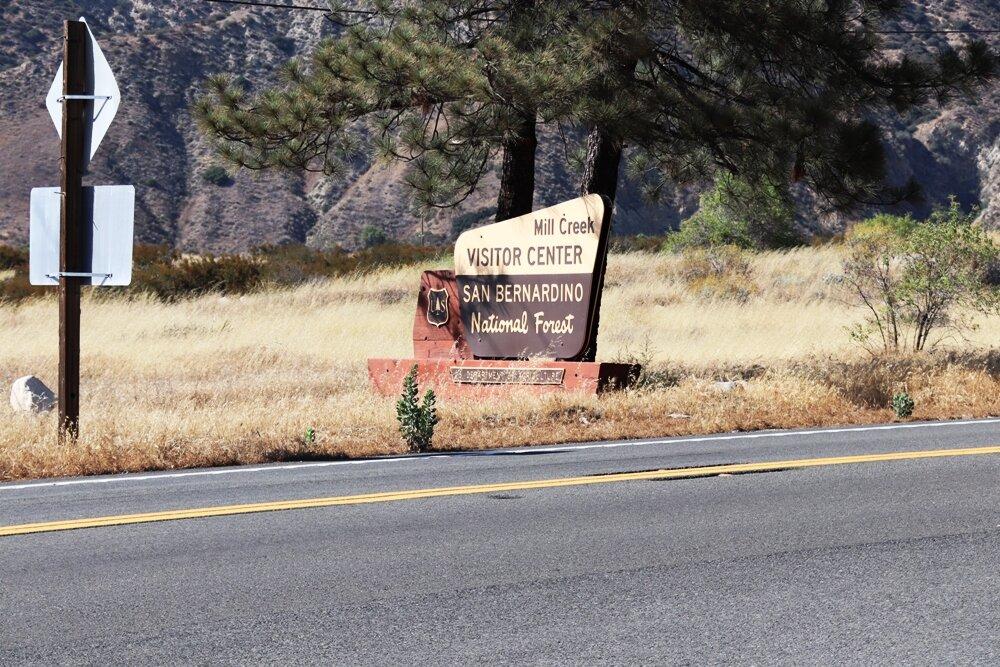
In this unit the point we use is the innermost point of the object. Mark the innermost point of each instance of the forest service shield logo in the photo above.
(437, 307)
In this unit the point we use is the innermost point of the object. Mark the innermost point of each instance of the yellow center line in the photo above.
(437, 492)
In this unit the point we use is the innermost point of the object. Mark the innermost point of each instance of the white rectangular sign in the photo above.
(110, 213)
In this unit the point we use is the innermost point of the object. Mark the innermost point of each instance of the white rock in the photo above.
(728, 386)
(29, 394)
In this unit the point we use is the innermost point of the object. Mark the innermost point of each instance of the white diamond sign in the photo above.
(102, 88)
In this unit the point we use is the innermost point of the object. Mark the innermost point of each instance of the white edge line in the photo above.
(550, 448)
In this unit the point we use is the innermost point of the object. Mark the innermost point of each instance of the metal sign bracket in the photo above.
(104, 101)
(75, 274)
(63, 98)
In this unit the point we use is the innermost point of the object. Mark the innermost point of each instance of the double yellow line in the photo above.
(438, 492)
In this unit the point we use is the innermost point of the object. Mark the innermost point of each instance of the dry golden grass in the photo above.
(228, 380)
(799, 310)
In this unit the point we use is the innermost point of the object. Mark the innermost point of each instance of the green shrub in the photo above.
(915, 277)
(902, 405)
(372, 236)
(706, 228)
(416, 420)
(740, 213)
(217, 175)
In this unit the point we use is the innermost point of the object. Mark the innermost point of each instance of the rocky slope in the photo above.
(162, 50)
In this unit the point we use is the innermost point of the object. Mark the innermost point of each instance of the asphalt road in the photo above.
(877, 562)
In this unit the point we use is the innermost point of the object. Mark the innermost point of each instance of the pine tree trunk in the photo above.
(517, 173)
(600, 176)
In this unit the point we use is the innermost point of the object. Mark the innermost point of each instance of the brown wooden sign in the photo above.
(437, 327)
(527, 287)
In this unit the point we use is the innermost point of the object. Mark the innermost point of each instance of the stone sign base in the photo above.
(486, 377)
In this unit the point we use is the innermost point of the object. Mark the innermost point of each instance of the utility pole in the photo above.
(76, 112)
(79, 234)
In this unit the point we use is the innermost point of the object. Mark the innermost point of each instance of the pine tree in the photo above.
(770, 92)
(448, 86)
(767, 91)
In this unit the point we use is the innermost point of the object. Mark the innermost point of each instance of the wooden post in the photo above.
(71, 243)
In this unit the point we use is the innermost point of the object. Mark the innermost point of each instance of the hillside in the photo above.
(163, 50)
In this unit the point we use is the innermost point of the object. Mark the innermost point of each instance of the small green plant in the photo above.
(902, 405)
(217, 175)
(310, 436)
(416, 419)
(372, 236)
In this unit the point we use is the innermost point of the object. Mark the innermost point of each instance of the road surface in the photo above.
(886, 559)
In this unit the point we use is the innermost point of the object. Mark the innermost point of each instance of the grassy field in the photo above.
(237, 379)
